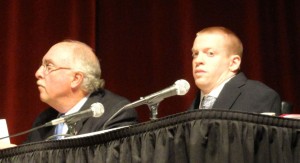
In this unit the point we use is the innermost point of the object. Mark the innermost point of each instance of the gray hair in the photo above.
(85, 61)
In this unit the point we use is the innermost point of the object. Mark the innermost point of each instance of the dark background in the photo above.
(144, 46)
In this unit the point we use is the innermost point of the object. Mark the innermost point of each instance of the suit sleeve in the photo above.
(276, 104)
(124, 117)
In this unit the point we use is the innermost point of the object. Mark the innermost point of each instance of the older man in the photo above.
(69, 81)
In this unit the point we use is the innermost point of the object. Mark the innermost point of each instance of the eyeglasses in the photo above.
(47, 69)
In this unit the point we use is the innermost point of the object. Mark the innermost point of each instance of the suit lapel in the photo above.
(230, 92)
(196, 102)
(94, 97)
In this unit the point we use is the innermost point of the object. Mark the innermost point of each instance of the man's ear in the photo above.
(77, 79)
(235, 62)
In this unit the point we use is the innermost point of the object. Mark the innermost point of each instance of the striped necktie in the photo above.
(207, 102)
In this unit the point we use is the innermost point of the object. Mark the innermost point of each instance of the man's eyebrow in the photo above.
(47, 61)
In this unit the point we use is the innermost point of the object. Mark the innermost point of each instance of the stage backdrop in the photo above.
(144, 46)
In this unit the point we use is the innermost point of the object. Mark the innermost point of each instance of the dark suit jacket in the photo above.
(111, 102)
(241, 94)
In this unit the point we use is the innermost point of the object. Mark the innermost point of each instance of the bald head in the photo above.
(83, 59)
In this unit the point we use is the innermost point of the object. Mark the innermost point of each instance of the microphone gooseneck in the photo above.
(24, 132)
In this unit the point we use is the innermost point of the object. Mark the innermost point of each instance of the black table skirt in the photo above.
(209, 136)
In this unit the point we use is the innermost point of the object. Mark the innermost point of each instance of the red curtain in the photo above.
(144, 46)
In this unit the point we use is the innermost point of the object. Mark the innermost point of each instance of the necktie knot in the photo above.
(207, 102)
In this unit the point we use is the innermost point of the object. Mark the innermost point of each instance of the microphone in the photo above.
(181, 87)
(96, 110)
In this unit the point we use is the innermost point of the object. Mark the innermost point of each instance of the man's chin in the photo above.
(200, 84)
(43, 98)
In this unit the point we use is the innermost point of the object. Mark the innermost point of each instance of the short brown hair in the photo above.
(235, 45)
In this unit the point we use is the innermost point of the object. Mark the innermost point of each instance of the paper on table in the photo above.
(268, 113)
(3, 131)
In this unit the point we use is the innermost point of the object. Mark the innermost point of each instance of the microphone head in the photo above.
(182, 87)
(98, 109)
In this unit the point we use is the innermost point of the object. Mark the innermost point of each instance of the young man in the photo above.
(217, 54)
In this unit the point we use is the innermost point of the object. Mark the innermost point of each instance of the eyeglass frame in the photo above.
(47, 71)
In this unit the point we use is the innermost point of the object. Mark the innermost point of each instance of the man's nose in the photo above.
(39, 72)
(199, 58)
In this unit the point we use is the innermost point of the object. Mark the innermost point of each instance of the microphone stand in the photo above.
(72, 130)
(152, 107)
(153, 104)
(153, 110)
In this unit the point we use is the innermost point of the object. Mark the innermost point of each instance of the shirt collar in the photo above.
(77, 107)
(216, 91)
